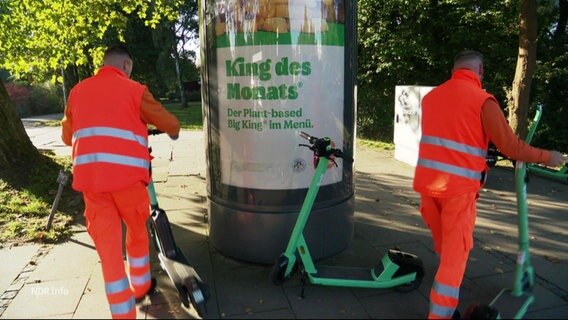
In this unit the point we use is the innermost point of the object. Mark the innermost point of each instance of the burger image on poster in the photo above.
(278, 16)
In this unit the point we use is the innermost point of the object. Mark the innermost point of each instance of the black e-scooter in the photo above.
(396, 269)
(191, 289)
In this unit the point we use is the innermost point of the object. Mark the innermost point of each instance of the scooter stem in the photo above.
(307, 204)
(152, 195)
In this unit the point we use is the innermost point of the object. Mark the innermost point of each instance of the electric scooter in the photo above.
(513, 303)
(191, 289)
(493, 156)
(560, 174)
(397, 269)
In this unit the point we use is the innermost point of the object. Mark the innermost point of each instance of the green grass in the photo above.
(51, 123)
(375, 144)
(190, 118)
(26, 200)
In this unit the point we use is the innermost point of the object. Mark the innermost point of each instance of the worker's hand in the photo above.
(556, 159)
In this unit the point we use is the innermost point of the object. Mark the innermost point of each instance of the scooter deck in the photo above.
(176, 264)
(347, 273)
(355, 277)
(561, 174)
(510, 306)
(171, 258)
(178, 269)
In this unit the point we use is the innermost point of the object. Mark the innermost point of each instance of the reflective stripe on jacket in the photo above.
(453, 145)
(110, 140)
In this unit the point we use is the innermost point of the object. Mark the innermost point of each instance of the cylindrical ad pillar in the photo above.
(270, 70)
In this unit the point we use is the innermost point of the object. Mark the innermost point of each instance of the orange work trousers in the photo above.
(104, 214)
(451, 222)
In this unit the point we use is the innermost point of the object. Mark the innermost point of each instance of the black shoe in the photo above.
(456, 315)
(152, 289)
(481, 312)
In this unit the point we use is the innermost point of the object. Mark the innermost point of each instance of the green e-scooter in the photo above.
(551, 173)
(397, 269)
(513, 303)
(560, 174)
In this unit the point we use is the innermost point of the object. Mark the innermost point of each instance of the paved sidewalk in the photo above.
(65, 280)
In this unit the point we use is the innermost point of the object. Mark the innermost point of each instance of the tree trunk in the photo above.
(180, 84)
(526, 63)
(15, 144)
(562, 20)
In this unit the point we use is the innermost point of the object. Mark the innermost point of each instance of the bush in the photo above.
(375, 113)
(193, 96)
(45, 98)
(172, 95)
(19, 95)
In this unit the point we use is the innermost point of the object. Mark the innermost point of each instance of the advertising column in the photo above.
(271, 69)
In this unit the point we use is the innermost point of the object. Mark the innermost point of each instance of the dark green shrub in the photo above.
(39, 99)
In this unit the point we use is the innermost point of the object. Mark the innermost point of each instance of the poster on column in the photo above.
(280, 67)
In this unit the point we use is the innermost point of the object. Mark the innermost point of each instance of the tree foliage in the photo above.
(38, 38)
(413, 42)
(173, 37)
(551, 79)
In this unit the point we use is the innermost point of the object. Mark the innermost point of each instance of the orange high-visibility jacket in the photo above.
(110, 140)
(453, 145)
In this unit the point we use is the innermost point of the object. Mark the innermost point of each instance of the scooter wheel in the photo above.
(410, 286)
(196, 295)
(408, 263)
(278, 272)
(481, 312)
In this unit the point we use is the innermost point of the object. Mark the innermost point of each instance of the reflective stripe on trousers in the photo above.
(451, 222)
(443, 301)
(140, 276)
(120, 299)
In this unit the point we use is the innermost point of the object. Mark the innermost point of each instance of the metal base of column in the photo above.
(261, 237)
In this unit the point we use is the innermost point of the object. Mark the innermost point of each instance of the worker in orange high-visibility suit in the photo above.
(105, 121)
(458, 120)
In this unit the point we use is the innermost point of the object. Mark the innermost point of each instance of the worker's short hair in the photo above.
(467, 55)
(118, 49)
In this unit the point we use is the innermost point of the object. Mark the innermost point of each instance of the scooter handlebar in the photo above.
(153, 132)
(306, 136)
(337, 153)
